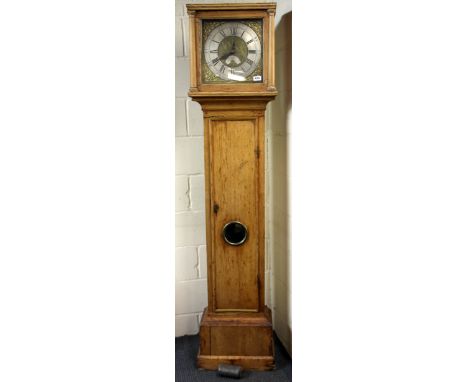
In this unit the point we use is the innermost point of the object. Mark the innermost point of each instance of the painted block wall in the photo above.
(190, 250)
(190, 247)
(278, 218)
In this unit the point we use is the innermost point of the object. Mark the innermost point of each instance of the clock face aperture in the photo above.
(232, 51)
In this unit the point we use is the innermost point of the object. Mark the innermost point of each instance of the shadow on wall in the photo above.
(279, 221)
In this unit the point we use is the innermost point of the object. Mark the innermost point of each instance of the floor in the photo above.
(186, 349)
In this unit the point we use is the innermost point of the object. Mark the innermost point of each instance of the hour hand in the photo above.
(226, 55)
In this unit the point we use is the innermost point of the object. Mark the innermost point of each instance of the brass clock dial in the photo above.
(232, 51)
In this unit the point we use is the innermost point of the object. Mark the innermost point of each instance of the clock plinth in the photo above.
(243, 339)
(232, 78)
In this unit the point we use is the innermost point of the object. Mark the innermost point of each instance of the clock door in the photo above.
(235, 234)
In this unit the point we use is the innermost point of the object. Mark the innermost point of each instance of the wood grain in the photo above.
(238, 340)
(271, 57)
(199, 12)
(236, 321)
(193, 49)
(236, 327)
(234, 179)
(235, 182)
(244, 339)
(230, 6)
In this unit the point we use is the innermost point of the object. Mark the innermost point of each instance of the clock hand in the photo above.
(226, 55)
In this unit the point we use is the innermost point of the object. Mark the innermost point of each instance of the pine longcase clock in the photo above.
(232, 77)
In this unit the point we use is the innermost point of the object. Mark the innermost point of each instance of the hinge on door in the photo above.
(215, 208)
(257, 152)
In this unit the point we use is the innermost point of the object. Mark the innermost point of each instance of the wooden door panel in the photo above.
(234, 182)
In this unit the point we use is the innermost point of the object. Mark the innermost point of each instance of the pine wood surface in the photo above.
(234, 184)
(240, 339)
(262, 318)
(236, 327)
(198, 12)
(230, 6)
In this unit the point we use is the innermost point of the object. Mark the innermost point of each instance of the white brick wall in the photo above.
(186, 263)
(197, 192)
(190, 228)
(190, 272)
(182, 196)
(189, 155)
(190, 251)
(180, 118)
(278, 218)
(195, 118)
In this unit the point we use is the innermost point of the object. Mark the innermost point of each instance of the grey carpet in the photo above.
(186, 349)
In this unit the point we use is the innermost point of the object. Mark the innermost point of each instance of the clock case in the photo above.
(199, 12)
(236, 327)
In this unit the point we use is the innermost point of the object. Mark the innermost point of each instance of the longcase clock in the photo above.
(232, 77)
